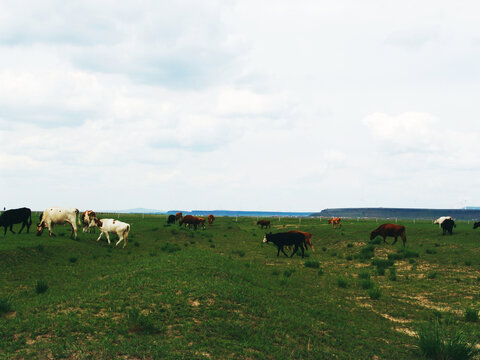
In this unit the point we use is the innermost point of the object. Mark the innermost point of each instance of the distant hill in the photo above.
(241, 213)
(401, 213)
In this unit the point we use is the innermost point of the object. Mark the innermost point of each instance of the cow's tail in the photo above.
(125, 235)
(78, 217)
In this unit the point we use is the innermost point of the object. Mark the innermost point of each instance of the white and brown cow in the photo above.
(88, 220)
(58, 215)
(113, 226)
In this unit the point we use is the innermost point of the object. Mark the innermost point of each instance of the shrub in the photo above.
(41, 287)
(381, 271)
(392, 275)
(342, 282)
(435, 343)
(312, 264)
(5, 306)
(382, 264)
(364, 274)
(376, 241)
(366, 252)
(170, 248)
(468, 262)
(366, 284)
(471, 315)
(141, 323)
(432, 275)
(374, 293)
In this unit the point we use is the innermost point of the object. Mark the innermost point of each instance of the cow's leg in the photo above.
(303, 250)
(278, 251)
(23, 225)
(100, 236)
(120, 238)
(5, 228)
(294, 250)
(11, 228)
(108, 237)
(283, 251)
(50, 232)
(394, 241)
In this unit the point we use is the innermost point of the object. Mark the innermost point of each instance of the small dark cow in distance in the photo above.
(447, 226)
(308, 238)
(211, 219)
(280, 240)
(171, 219)
(389, 230)
(263, 223)
(16, 216)
(476, 225)
(192, 220)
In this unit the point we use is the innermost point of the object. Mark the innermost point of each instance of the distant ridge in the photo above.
(402, 213)
(241, 213)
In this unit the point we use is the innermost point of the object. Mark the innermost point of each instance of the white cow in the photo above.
(58, 215)
(113, 226)
(441, 219)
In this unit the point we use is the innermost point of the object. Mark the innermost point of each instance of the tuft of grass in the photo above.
(40, 248)
(366, 284)
(275, 272)
(349, 245)
(41, 287)
(376, 241)
(324, 248)
(432, 275)
(349, 257)
(468, 262)
(240, 253)
(436, 343)
(375, 293)
(471, 315)
(312, 264)
(342, 282)
(288, 272)
(364, 274)
(366, 252)
(392, 274)
(170, 248)
(136, 243)
(5, 306)
(431, 251)
(320, 272)
(141, 323)
(73, 259)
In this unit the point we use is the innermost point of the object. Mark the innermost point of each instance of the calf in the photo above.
(286, 239)
(88, 220)
(441, 219)
(447, 226)
(58, 215)
(263, 223)
(192, 220)
(210, 219)
(171, 219)
(114, 226)
(16, 216)
(385, 230)
(178, 215)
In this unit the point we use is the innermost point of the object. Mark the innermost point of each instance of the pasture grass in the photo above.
(174, 296)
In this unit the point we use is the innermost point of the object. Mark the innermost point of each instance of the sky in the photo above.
(239, 105)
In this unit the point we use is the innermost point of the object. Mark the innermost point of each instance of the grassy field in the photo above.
(220, 293)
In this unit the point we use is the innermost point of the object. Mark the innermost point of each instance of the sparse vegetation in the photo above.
(41, 287)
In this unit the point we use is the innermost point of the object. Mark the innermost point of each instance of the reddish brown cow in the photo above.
(192, 220)
(178, 216)
(308, 238)
(87, 220)
(263, 223)
(389, 230)
(211, 219)
(336, 222)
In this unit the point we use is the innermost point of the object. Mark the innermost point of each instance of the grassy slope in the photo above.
(223, 294)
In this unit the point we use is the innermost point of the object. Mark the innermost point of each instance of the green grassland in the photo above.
(220, 293)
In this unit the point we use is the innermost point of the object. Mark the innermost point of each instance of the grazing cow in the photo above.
(308, 238)
(88, 220)
(286, 239)
(263, 223)
(389, 230)
(192, 220)
(211, 219)
(171, 219)
(476, 225)
(336, 222)
(448, 225)
(178, 215)
(114, 226)
(16, 216)
(58, 215)
(441, 219)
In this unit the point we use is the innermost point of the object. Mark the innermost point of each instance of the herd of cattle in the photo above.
(88, 220)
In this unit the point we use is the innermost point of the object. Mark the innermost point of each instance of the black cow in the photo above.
(171, 219)
(448, 225)
(477, 224)
(16, 216)
(286, 239)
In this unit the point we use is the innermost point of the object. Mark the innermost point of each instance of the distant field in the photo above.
(221, 294)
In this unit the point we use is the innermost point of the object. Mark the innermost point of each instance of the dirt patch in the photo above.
(193, 303)
(406, 331)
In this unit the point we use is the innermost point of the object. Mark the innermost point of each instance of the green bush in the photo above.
(471, 315)
(364, 274)
(366, 252)
(312, 264)
(374, 293)
(170, 248)
(342, 282)
(432, 275)
(320, 272)
(5, 306)
(376, 241)
(392, 275)
(41, 287)
(288, 272)
(366, 284)
(436, 343)
(141, 323)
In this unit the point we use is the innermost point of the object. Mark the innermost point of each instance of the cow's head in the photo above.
(476, 225)
(373, 235)
(40, 227)
(266, 238)
(98, 222)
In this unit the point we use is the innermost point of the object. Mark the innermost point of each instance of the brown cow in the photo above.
(336, 222)
(87, 219)
(389, 230)
(308, 238)
(192, 220)
(211, 219)
(263, 223)
(178, 216)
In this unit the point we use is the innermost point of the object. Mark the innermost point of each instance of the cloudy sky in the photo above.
(240, 105)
